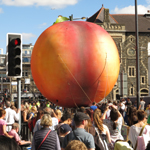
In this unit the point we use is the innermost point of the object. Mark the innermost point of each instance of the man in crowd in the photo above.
(11, 116)
(142, 104)
(79, 133)
(128, 104)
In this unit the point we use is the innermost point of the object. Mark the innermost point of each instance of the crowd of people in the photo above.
(97, 127)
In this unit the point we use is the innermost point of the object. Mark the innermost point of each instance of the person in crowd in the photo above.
(11, 116)
(122, 107)
(1, 106)
(14, 108)
(148, 110)
(38, 104)
(132, 117)
(51, 140)
(148, 120)
(92, 109)
(79, 132)
(31, 123)
(115, 104)
(142, 104)
(47, 110)
(24, 113)
(136, 128)
(122, 145)
(128, 104)
(89, 127)
(65, 119)
(34, 104)
(93, 106)
(102, 129)
(64, 130)
(81, 109)
(7, 143)
(30, 104)
(32, 112)
(114, 124)
(14, 133)
(76, 145)
(109, 108)
(135, 104)
(58, 114)
(3, 124)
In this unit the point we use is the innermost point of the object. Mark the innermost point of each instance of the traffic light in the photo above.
(14, 55)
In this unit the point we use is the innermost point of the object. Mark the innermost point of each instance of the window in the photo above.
(131, 91)
(131, 71)
(142, 79)
(26, 74)
(25, 59)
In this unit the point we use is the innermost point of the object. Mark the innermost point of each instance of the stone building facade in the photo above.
(121, 27)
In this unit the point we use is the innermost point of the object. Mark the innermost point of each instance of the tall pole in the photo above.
(137, 57)
(19, 100)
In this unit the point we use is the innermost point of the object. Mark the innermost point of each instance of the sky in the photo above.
(32, 17)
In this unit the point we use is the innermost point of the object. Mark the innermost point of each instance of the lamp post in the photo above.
(137, 57)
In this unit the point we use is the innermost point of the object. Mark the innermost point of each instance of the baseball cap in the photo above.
(80, 116)
(93, 107)
(65, 128)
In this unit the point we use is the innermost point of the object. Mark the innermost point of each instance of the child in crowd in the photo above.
(3, 124)
(14, 134)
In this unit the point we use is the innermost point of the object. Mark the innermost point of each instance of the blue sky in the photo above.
(32, 17)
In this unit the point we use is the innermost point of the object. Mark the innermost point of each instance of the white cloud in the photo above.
(42, 25)
(131, 10)
(26, 37)
(1, 10)
(148, 1)
(51, 3)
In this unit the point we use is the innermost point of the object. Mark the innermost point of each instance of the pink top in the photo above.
(2, 122)
(14, 134)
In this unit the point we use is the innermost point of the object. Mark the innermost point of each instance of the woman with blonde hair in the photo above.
(58, 114)
(45, 138)
(101, 129)
(33, 112)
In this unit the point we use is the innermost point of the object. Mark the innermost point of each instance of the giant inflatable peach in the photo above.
(75, 63)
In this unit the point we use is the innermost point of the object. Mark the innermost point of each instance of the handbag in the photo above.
(102, 144)
(139, 135)
(44, 139)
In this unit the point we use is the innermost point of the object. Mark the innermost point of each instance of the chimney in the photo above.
(106, 15)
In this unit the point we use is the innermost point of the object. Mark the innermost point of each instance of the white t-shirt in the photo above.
(135, 131)
(142, 103)
(10, 117)
(122, 106)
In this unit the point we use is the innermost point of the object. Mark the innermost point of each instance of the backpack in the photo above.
(31, 124)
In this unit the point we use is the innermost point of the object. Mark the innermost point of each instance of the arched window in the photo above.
(144, 92)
